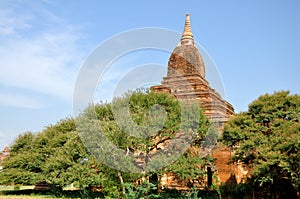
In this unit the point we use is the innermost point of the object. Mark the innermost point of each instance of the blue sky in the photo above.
(43, 44)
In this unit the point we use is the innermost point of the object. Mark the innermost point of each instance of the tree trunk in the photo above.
(122, 182)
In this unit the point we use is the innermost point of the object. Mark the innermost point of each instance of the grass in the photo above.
(24, 197)
(10, 188)
(17, 196)
(28, 192)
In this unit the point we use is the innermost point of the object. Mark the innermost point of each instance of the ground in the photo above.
(24, 197)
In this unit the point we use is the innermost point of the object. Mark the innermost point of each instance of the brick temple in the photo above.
(186, 79)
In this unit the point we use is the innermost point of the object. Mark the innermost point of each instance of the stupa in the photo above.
(186, 79)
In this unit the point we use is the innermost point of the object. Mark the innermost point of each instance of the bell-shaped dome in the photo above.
(185, 58)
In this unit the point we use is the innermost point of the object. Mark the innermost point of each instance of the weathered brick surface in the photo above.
(186, 60)
(186, 80)
(225, 169)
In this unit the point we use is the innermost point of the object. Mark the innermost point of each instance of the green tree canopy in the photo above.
(138, 125)
(267, 138)
(141, 123)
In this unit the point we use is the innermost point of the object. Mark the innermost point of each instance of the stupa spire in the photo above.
(187, 35)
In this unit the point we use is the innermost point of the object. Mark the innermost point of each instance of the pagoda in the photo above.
(186, 79)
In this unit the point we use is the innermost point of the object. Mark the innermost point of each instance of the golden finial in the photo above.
(187, 35)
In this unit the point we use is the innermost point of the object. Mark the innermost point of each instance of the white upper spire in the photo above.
(187, 35)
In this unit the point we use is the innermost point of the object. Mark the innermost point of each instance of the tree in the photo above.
(30, 152)
(266, 138)
(143, 132)
(23, 165)
(136, 134)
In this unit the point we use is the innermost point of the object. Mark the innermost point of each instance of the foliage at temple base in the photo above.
(62, 154)
(267, 139)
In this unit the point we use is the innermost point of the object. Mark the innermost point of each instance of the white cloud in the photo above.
(17, 100)
(10, 23)
(45, 62)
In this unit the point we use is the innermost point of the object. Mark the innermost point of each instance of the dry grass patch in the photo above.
(24, 197)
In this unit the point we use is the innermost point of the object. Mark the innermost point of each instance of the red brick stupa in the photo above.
(186, 79)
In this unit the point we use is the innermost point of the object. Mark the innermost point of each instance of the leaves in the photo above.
(154, 128)
(267, 138)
